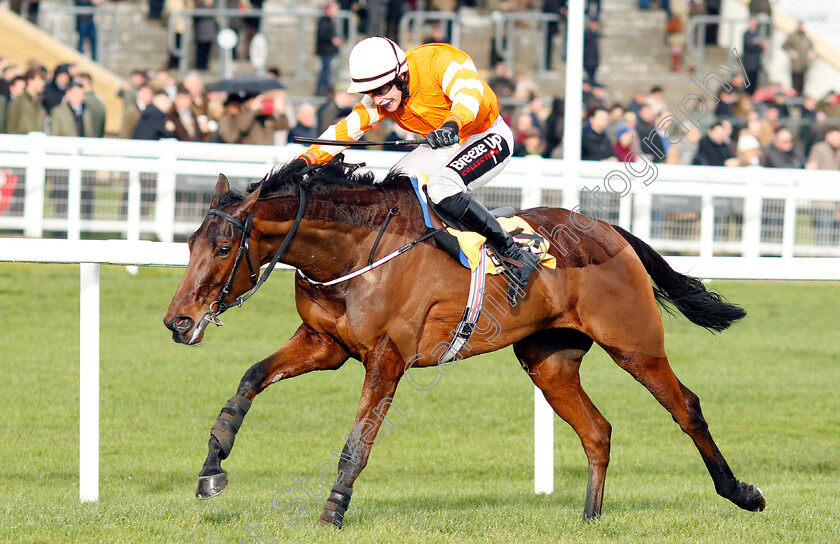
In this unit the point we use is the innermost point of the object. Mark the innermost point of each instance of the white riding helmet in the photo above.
(374, 62)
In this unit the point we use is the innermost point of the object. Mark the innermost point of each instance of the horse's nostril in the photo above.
(182, 323)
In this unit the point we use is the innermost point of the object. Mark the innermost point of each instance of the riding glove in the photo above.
(444, 136)
(297, 165)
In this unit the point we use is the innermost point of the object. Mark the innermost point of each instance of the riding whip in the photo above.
(354, 143)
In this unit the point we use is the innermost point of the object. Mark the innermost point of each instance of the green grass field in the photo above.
(458, 467)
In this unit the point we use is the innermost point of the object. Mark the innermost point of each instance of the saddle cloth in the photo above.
(470, 243)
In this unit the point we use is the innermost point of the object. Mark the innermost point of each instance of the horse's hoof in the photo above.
(589, 517)
(329, 518)
(753, 498)
(212, 485)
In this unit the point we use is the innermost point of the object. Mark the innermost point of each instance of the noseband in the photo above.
(212, 316)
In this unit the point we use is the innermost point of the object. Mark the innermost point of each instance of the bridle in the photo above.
(212, 316)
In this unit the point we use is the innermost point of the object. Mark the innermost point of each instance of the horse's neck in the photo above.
(337, 234)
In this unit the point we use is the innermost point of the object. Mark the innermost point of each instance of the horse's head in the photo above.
(222, 265)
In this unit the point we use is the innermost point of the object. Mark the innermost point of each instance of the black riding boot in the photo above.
(477, 218)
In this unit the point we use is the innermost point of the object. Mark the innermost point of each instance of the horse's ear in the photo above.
(248, 204)
(222, 186)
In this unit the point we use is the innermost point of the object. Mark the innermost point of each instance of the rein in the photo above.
(391, 213)
(370, 266)
(211, 315)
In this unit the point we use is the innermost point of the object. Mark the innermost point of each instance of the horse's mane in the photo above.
(284, 180)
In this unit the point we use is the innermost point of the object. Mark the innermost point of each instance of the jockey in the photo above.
(434, 90)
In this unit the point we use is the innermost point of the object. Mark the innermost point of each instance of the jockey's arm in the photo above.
(464, 87)
(364, 115)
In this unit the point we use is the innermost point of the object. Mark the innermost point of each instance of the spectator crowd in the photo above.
(752, 125)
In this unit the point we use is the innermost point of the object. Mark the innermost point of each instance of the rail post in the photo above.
(88, 382)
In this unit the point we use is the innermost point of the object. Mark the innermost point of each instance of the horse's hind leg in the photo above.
(655, 373)
(552, 359)
(303, 352)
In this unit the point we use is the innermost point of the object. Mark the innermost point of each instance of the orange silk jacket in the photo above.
(443, 86)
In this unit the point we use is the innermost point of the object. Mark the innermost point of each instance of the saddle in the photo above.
(450, 242)
(464, 245)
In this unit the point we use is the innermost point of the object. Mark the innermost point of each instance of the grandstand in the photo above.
(634, 54)
(633, 51)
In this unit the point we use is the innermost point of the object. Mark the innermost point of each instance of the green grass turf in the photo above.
(458, 467)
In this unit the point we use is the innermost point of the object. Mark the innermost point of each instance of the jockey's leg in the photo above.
(481, 158)
(520, 263)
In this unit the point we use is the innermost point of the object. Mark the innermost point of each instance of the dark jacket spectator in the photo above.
(635, 103)
(591, 50)
(554, 129)
(7, 72)
(205, 34)
(811, 120)
(552, 7)
(86, 27)
(326, 47)
(55, 89)
(153, 123)
(754, 45)
(595, 143)
(781, 153)
(132, 113)
(651, 143)
(727, 100)
(713, 7)
(714, 149)
(307, 124)
(780, 103)
(32, 9)
(326, 42)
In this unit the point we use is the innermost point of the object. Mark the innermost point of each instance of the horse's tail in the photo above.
(705, 308)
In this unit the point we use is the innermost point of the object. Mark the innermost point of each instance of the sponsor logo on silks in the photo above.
(480, 157)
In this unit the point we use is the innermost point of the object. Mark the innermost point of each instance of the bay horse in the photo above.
(327, 221)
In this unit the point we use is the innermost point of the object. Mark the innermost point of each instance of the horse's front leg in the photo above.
(302, 353)
(384, 366)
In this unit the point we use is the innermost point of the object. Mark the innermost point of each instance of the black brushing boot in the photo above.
(477, 218)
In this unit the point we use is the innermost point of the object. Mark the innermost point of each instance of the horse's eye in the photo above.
(223, 251)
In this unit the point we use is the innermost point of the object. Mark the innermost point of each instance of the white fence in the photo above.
(161, 189)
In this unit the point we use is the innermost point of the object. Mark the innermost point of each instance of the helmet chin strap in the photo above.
(402, 84)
